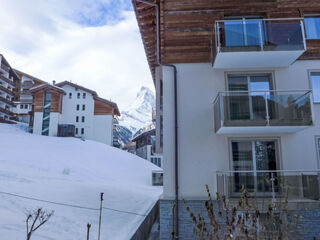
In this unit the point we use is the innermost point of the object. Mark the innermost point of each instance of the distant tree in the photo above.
(35, 219)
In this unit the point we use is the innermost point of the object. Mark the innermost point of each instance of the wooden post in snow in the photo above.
(88, 230)
(101, 200)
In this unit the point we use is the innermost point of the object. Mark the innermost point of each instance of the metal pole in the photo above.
(88, 230)
(101, 200)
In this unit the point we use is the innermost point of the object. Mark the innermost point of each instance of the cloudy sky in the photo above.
(95, 43)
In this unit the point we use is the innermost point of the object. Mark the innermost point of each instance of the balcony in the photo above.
(275, 184)
(241, 112)
(5, 111)
(257, 43)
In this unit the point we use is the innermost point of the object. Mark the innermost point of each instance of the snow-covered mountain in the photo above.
(139, 113)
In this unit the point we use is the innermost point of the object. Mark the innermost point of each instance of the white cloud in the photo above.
(44, 39)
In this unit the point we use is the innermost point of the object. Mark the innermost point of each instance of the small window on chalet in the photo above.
(78, 107)
(70, 95)
(76, 130)
(78, 95)
(83, 95)
(26, 106)
(82, 130)
(83, 107)
(21, 106)
(77, 118)
(82, 119)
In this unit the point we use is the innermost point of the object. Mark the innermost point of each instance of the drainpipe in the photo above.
(176, 219)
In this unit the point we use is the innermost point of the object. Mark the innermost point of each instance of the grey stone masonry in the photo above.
(309, 223)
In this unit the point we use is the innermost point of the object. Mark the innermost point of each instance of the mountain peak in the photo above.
(139, 113)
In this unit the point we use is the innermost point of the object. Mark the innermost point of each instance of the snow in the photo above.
(139, 113)
(72, 171)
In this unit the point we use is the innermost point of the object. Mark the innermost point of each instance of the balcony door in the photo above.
(244, 31)
(248, 100)
(250, 158)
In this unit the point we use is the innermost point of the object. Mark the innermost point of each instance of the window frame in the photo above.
(310, 71)
(83, 107)
(82, 131)
(84, 95)
(70, 95)
(267, 138)
(83, 119)
(77, 118)
(78, 107)
(78, 95)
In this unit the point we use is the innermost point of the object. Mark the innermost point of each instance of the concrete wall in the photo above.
(53, 123)
(103, 129)
(37, 123)
(307, 228)
(201, 150)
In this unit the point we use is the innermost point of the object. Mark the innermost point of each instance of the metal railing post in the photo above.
(221, 109)
(303, 34)
(218, 36)
(272, 187)
(267, 108)
(260, 33)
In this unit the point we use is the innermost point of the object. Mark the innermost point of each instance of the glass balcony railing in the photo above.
(260, 35)
(263, 108)
(296, 185)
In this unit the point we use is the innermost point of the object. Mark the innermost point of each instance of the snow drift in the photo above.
(72, 171)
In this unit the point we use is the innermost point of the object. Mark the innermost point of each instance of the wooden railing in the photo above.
(6, 111)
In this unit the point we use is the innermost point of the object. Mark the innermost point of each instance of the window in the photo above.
(77, 118)
(315, 84)
(250, 105)
(83, 107)
(250, 158)
(70, 95)
(21, 106)
(78, 95)
(76, 131)
(26, 106)
(46, 113)
(82, 130)
(82, 119)
(78, 107)
(83, 95)
(312, 27)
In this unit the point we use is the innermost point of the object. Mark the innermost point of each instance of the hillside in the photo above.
(71, 171)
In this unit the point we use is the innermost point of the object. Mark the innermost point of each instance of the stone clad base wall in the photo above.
(310, 220)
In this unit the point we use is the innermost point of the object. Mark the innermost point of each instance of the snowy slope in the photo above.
(71, 171)
(139, 113)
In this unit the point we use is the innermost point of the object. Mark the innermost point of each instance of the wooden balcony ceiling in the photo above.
(186, 26)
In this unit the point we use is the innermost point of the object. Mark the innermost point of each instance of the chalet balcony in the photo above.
(256, 43)
(10, 92)
(5, 111)
(5, 100)
(274, 184)
(241, 112)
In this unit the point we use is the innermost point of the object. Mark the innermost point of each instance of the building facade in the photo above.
(237, 93)
(23, 98)
(8, 81)
(145, 147)
(67, 103)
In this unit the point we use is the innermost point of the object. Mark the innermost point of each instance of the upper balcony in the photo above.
(257, 43)
(240, 112)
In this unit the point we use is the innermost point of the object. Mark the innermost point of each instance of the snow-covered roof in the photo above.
(143, 133)
(38, 87)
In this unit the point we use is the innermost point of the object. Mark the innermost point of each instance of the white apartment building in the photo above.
(238, 92)
(67, 103)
